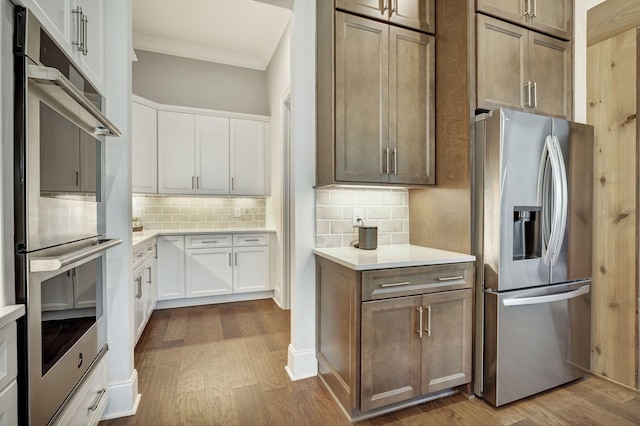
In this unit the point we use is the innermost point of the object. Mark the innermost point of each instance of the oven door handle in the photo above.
(54, 263)
(48, 76)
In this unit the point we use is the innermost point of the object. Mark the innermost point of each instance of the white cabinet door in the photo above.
(144, 149)
(176, 153)
(171, 283)
(247, 157)
(212, 155)
(57, 293)
(84, 285)
(9, 404)
(55, 15)
(93, 62)
(208, 272)
(251, 269)
(139, 295)
(150, 287)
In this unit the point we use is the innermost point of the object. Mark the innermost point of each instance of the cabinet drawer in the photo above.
(143, 252)
(89, 403)
(208, 241)
(250, 240)
(386, 283)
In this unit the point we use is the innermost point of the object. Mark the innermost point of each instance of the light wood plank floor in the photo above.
(224, 365)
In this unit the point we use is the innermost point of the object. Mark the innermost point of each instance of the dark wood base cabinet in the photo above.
(392, 338)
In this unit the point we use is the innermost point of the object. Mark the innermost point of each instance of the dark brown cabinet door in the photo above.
(446, 343)
(361, 99)
(551, 72)
(411, 107)
(503, 64)
(391, 346)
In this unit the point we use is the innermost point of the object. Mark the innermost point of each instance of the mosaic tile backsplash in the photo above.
(388, 209)
(187, 212)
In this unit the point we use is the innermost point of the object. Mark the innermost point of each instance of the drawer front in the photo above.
(240, 240)
(8, 354)
(141, 254)
(9, 404)
(396, 282)
(208, 241)
(90, 401)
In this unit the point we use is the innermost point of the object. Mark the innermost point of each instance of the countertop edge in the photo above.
(449, 258)
(10, 313)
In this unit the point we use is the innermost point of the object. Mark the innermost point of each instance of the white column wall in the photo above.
(122, 378)
(302, 360)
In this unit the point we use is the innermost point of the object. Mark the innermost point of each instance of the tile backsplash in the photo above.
(188, 212)
(388, 209)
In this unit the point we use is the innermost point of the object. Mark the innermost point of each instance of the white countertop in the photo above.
(391, 256)
(10, 313)
(143, 236)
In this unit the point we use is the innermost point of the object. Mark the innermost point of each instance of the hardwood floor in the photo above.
(224, 365)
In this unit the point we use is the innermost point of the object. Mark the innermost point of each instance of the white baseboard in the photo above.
(301, 364)
(210, 300)
(123, 398)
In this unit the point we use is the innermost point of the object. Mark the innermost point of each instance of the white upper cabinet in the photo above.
(176, 153)
(212, 155)
(78, 28)
(247, 157)
(144, 149)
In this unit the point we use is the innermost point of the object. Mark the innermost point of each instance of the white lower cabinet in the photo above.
(212, 265)
(144, 285)
(90, 401)
(251, 269)
(9, 404)
(171, 265)
(208, 272)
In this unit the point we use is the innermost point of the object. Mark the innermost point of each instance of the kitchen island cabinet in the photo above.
(394, 325)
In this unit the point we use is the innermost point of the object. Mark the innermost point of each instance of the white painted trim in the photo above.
(210, 300)
(272, 40)
(200, 111)
(123, 398)
(187, 50)
(301, 364)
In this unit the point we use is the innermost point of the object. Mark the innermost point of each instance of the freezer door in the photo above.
(512, 248)
(574, 259)
(535, 340)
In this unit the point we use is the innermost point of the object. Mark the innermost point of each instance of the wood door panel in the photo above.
(411, 107)
(377, 9)
(446, 352)
(391, 346)
(502, 64)
(361, 99)
(416, 14)
(553, 17)
(551, 71)
(510, 10)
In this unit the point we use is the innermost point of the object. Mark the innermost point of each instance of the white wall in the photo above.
(7, 271)
(302, 360)
(278, 87)
(173, 80)
(122, 378)
(580, 58)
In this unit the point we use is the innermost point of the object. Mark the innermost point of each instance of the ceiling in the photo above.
(243, 33)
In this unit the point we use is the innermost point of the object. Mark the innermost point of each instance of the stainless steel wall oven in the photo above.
(59, 141)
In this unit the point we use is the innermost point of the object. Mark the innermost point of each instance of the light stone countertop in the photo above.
(391, 256)
(10, 313)
(143, 236)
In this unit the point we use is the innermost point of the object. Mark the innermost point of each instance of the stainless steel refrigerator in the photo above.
(533, 200)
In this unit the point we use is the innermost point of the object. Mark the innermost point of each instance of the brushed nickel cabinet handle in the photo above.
(85, 45)
(395, 284)
(77, 178)
(149, 269)
(528, 87)
(101, 393)
(395, 161)
(457, 277)
(394, 8)
(428, 329)
(230, 259)
(79, 34)
(527, 7)
(419, 331)
(139, 283)
(535, 8)
(251, 240)
(236, 256)
(385, 162)
(384, 6)
(232, 184)
(193, 179)
(210, 242)
(535, 94)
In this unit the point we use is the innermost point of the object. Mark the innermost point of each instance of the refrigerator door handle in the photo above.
(547, 299)
(563, 208)
(553, 232)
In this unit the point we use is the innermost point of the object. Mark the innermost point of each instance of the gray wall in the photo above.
(174, 80)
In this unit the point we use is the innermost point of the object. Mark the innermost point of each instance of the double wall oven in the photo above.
(60, 245)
